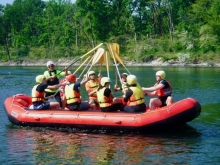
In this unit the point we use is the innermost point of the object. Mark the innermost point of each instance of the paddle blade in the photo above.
(97, 55)
(107, 61)
(115, 48)
(102, 60)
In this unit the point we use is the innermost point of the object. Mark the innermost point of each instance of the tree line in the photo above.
(186, 30)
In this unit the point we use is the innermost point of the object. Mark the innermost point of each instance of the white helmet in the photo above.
(131, 79)
(90, 72)
(50, 63)
(40, 78)
(124, 74)
(161, 73)
(105, 80)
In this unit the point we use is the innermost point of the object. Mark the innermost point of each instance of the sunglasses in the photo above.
(50, 66)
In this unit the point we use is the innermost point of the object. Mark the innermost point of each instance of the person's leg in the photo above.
(128, 109)
(117, 100)
(58, 98)
(54, 105)
(84, 106)
(63, 98)
(169, 100)
(154, 102)
(92, 104)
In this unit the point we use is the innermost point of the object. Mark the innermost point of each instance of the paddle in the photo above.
(120, 61)
(97, 57)
(52, 96)
(86, 66)
(107, 61)
(113, 56)
(115, 47)
(102, 59)
(81, 57)
(81, 65)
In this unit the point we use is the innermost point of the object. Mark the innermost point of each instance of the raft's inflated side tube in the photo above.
(178, 113)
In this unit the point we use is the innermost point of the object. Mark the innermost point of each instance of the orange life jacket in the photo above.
(165, 91)
(92, 86)
(37, 96)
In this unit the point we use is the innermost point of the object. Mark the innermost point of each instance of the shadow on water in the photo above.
(182, 131)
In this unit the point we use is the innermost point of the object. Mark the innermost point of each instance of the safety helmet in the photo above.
(131, 79)
(40, 78)
(71, 78)
(50, 63)
(90, 72)
(124, 74)
(105, 80)
(161, 73)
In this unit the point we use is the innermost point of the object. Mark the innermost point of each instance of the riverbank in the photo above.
(66, 62)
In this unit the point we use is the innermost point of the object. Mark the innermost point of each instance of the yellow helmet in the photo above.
(131, 79)
(40, 78)
(90, 72)
(161, 73)
(105, 80)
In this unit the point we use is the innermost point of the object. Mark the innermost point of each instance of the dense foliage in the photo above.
(187, 30)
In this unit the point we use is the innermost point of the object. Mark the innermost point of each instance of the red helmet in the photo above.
(71, 78)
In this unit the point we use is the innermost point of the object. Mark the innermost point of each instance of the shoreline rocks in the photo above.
(66, 62)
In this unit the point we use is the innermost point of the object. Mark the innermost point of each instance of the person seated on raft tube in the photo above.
(91, 87)
(72, 94)
(162, 89)
(105, 97)
(134, 96)
(63, 98)
(124, 86)
(38, 93)
(53, 76)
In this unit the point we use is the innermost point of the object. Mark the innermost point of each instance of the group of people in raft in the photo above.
(99, 93)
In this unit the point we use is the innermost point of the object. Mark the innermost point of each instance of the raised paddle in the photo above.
(115, 47)
(107, 61)
(119, 60)
(81, 65)
(86, 67)
(101, 61)
(113, 56)
(97, 57)
(81, 57)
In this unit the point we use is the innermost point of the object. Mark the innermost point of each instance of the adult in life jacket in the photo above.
(91, 87)
(105, 97)
(124, 86)
(134, 96)
(162, 89)
(53, 76)
(72, 94)
(38, 90)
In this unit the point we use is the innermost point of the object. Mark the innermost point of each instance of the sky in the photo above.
(4, 2)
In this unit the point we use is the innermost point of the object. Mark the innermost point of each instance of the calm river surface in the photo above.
(197, 142)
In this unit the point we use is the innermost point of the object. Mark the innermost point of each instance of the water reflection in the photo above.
(44, 146)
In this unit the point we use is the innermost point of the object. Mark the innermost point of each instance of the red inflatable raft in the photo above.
(178, 113)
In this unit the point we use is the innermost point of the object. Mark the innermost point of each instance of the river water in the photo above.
(197, 142)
